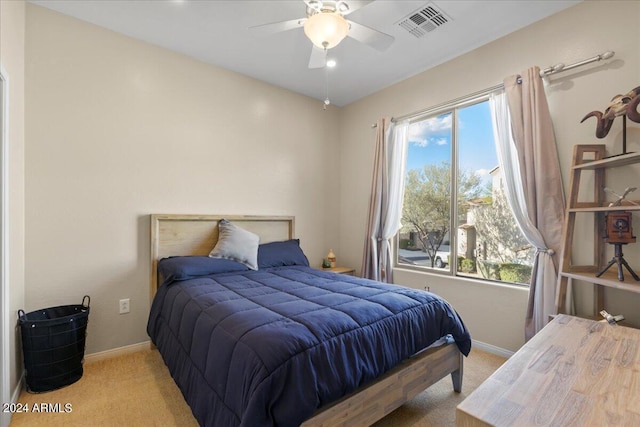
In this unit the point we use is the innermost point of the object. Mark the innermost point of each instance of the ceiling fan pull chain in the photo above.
(326, 87)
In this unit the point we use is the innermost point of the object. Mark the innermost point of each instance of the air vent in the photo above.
(423, 20)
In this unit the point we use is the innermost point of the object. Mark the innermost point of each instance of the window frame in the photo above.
(451, 107)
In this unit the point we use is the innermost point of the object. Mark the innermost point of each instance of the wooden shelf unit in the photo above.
(592, 157)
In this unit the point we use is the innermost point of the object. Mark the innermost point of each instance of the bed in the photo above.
(355, 349)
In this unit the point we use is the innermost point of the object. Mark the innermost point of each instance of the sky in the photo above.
(430, 141)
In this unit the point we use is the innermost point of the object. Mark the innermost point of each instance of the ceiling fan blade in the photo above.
(318, 57)
(374, 38)
(277, 27)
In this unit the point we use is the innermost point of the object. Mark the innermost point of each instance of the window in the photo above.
(455, 215)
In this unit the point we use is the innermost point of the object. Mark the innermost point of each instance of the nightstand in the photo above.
(342, 270)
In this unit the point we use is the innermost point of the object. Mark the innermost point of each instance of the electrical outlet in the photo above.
(124, 306)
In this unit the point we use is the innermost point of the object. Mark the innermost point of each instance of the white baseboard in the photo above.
(115, 352)
(19, 387)
(5, 419)
(492, 349)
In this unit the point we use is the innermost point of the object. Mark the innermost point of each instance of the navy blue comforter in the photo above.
(269, 347)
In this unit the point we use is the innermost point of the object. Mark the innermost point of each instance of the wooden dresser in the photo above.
(575, 371)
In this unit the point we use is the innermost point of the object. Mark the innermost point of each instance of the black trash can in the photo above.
(53, 345)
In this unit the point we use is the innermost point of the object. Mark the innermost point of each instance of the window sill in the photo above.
(449, 276)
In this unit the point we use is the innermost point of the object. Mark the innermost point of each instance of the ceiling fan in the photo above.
(325, 25)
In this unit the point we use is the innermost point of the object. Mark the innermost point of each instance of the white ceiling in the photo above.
(217, 32)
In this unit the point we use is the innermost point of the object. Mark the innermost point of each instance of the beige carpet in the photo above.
(137, 390)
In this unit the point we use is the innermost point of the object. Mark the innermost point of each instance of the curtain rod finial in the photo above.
(608, 54)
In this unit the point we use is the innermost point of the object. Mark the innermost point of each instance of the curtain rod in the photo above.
(558, 68)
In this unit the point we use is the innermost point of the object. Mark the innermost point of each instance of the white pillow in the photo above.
(236, 244)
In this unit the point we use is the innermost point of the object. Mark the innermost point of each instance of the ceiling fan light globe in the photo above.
(326, 29)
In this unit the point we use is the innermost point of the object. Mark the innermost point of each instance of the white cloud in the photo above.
(432, 125)
(431, 131)
(419, 142)
(424, 142)
(483, 172)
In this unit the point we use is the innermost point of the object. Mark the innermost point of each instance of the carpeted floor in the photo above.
(137, 390)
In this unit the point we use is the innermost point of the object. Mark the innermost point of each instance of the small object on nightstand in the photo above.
(326, 263)
(332, 258)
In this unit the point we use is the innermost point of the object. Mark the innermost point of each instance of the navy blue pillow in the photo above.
(188, 267)
(277, 254)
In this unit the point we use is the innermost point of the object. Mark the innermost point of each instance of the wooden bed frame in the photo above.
(173, 235)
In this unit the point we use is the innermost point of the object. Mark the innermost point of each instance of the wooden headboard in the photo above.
(174, 235)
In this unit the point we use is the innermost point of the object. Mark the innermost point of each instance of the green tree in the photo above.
(427, 202)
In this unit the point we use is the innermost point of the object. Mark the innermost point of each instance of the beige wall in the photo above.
(118, 129)
(495, 314)
(12, 36)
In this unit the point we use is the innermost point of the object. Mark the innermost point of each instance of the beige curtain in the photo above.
(385, 205)
(542, 191)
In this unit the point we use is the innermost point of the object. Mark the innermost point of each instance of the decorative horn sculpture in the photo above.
(603, 125)
(632, 107)
(620, 105)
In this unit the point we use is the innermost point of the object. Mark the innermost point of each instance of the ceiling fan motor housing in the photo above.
(316, 6)
(326, 29)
